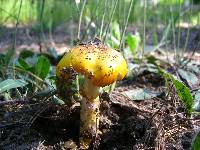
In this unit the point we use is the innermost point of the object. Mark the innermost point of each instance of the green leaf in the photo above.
(11, 83)
(133, 41)
(31, 61)
(184, 94)
(196, 106)
(140, 94)
(27, 60)
(22, 63)
(57, 101)
(151, 59)
(116, 30)
(182, 91)
(42, 67)
(2, 58)
(196, 142)
(26, 53)
(188, 76)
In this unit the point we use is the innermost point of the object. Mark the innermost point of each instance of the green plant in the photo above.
(134, 44)
(30, 71)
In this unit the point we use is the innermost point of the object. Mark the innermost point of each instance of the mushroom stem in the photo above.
(89, 115)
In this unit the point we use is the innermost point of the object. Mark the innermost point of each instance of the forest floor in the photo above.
(157, 123)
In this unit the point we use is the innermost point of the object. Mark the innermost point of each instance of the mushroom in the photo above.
(100, 66)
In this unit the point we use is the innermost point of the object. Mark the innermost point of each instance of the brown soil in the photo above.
(158, 123)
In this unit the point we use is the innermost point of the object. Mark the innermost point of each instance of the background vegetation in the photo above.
(140, 29)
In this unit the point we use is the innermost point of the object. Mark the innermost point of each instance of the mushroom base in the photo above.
(89, 121)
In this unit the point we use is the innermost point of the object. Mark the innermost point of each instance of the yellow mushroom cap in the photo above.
(100, 64)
